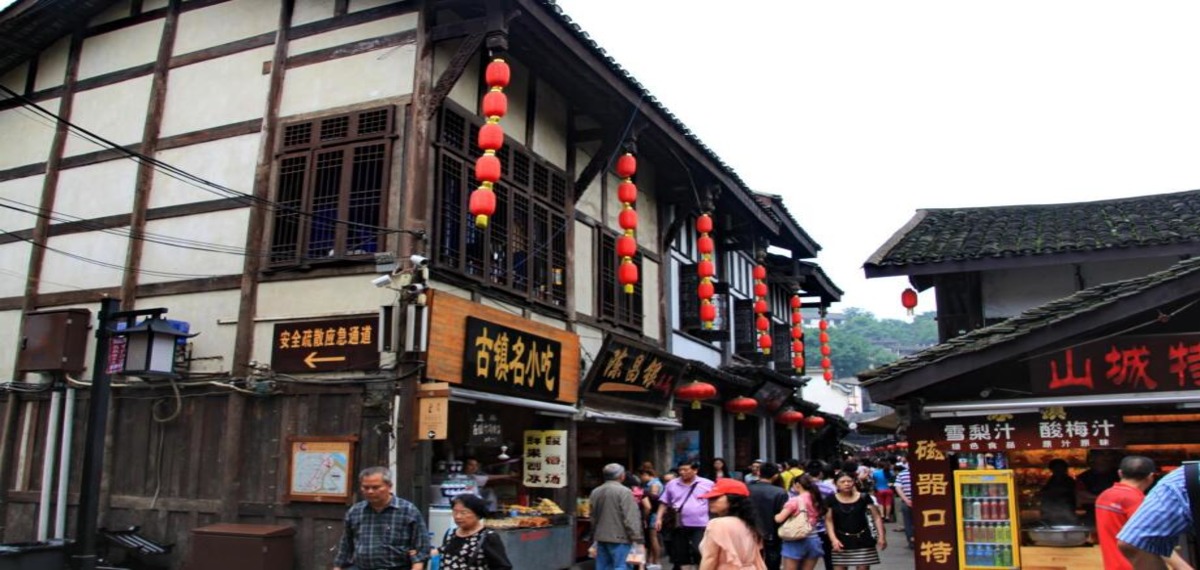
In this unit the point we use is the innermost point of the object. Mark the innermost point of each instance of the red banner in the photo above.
(1155, 363)
(934, 523)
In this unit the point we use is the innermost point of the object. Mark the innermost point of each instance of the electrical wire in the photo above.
(178, 405)
(192, 179)
(105, 264)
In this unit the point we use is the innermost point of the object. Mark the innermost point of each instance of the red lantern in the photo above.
(629, 276)
(628, 218)
(705, 269)
(823, 324)
(825, 350)
(487, 167)
(626, 246)
(704, 244)
(695, 391)
(495, 104)
(497, 73)
(764, 342)
(891, 447)
(798, 346)
(797, 319)
(760, 272)
(798, 363)
(826, 363)
(705, 290)
(762, 324)
(741, 406)
(814, 422)
(626, 166)
(760, 306)
(795, 301)
(491, 136)
(823, 338)
(909, 299)
(482, 204)
(760, 289)
(704, 224)
(789, 417)
(708, 313)
(902, 445)
(797, 333)
(828, 376)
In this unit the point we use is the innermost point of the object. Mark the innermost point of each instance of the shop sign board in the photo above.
(433, 410)
(772, 396)
(1051, 428)
(631, 371)
(502, 359)
(934, 519)
(332, 345)
(1123, 364)
(545, 458)
(486, 431)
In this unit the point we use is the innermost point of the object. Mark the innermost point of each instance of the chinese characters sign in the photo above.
(545, 459)
(326, 346)
(502, 359)
(1121, 364)
(634, 372)
(485, 431)
(934, 519)
(1054, 428)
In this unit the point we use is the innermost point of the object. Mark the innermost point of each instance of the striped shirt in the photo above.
(904, 481)
(1164, 515)
(381, 539)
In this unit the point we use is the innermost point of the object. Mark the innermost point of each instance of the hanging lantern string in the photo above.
(797, 334)
(482, 203)
(628, 219)
(760, 307)
(706, 270)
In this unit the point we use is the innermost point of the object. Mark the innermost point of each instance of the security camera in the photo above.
(418, 260)
(382, 281)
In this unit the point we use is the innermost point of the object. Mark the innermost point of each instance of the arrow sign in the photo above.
(312, 359)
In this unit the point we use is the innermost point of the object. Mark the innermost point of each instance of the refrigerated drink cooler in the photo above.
(988, 526)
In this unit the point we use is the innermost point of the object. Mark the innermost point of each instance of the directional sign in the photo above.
(326, 346)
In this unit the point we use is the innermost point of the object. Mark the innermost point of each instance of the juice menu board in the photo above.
(988, 533)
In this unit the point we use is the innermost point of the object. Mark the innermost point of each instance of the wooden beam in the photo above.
(352, 48)
(458, 64)
(460, 29)
(122, 220)
(592, 169)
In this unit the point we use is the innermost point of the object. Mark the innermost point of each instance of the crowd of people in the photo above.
(771, 516)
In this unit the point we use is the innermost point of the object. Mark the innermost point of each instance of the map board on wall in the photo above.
(321, 469)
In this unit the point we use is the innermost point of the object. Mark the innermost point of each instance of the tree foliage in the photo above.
(862, 342)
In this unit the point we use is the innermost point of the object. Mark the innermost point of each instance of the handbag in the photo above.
(797, 527)
(671, 517)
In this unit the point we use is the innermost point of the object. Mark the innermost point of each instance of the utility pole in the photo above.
(93, 451)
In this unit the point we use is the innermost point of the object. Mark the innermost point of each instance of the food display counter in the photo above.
(537, 537)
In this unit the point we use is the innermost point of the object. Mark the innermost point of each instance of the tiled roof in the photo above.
(1048, 316)
(935, 236)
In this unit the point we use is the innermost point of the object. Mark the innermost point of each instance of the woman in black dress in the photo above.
(470, 546)
(846, 521)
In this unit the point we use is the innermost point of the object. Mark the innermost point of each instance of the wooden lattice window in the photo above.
(617, 306)
(524, 248)
(331, 185)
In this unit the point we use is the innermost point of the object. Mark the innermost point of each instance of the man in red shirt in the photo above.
(1116, 504)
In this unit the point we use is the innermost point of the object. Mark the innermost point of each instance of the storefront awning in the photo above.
(605, 415)
(1030, 405)
(465, 396)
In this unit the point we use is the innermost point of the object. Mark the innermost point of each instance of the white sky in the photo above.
(859, 113)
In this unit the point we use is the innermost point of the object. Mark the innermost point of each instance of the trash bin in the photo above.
(232, 546)
(51, 554)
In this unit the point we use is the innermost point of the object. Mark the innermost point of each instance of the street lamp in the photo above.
(146, 349)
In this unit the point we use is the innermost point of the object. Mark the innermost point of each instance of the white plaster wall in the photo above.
(194, 103)
(591, 339)
(10, 339)
(518, 95)
(651, 293)
(360, 5)
(589, 202)
(1107, 272)
(212, 350)
(585, 268)
(550, 129)
(830, 399)
(307, 11)
(223, 23)
(96, 190)
(26, 190)
(14, 267)
(148, 5)
(228, 162)
(368, 30)
(26, 135)
(226, 228)
(684, 347)
(307, 298)
(15, 78)
(506, 307)
(647, 207)
(118, 10)
(364, 77)
(116, 112)
(1008, 293)
(52, 65)
(59, 270)
(121, 49)
(466, 89)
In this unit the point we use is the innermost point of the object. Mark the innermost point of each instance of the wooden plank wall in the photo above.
(165, 474)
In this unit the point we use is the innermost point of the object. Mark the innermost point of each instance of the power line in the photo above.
(85, 259)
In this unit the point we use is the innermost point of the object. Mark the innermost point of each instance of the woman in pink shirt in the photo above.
(732, 540)
(803, 554)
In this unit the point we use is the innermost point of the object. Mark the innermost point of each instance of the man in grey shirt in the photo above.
(616, 520)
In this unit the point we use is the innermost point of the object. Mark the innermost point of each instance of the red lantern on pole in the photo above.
(482, 203)
(908, 298)
(706, 247)
(741, 406)
(628, 218)
(695, 392)
(789, 417)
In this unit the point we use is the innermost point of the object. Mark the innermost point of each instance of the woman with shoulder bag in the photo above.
(471, 546)
(848, 522)
(801, 553)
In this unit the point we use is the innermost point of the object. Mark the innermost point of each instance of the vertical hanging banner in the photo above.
(934, 519)
(545, 458)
